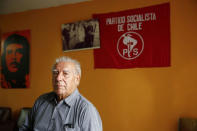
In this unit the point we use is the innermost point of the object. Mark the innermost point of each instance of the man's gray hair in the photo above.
(68, 59)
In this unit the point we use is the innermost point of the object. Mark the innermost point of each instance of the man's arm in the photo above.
(29, 121)
(91, 119)
(27, 125)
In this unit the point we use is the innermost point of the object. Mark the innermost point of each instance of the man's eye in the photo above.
(65, 73)
(55, 72)
(9, 51)
(19, 51)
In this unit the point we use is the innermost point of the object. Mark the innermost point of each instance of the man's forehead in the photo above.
(64, 66)
(14, 45)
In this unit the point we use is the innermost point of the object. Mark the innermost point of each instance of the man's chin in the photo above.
(13, 69)
(59, 91)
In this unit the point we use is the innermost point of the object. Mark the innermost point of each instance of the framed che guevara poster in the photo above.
(15, 53)
(80, 35)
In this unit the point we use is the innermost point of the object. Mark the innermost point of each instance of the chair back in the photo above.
(187, 124)
(23, 113)
(5, 114)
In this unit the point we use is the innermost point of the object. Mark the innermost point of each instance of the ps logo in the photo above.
(130, 45)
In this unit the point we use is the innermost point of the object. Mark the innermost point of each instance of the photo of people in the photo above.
(81, 35)
(15, 52)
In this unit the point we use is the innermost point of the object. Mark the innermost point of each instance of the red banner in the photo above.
(134, 38)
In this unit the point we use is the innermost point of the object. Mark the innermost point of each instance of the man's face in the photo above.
(14, 54)
(65, 79)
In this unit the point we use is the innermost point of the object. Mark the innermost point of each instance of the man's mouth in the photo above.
(14, 64)
(60, 84)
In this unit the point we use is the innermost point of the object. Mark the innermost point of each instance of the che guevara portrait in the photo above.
(15, 53)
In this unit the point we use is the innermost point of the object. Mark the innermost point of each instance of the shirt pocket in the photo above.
(70, 127)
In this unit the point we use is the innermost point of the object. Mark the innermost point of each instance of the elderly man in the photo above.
(64, 109)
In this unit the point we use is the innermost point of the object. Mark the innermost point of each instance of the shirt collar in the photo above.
(71, 99)
(52, 96)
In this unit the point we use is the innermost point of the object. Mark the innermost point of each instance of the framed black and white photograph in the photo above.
(81, 35)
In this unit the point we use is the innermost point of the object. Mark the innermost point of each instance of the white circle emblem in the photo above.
(130, 45)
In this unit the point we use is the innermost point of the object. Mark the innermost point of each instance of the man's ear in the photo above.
(77, 79)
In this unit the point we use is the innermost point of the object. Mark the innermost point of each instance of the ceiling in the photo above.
(13, 6)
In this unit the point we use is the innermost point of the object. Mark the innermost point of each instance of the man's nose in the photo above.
(59, 76)
(13, 55)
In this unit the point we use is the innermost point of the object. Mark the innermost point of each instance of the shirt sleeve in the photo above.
(27, 125)
(91, 119)
(29, 120)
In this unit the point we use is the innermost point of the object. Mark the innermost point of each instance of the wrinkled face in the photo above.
(65, 78)
(14, 54)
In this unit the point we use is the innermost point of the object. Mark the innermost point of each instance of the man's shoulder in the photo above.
(46, 96)
(84, 102)
(87, 111)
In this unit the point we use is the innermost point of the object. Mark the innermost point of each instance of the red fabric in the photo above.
(147, 45)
